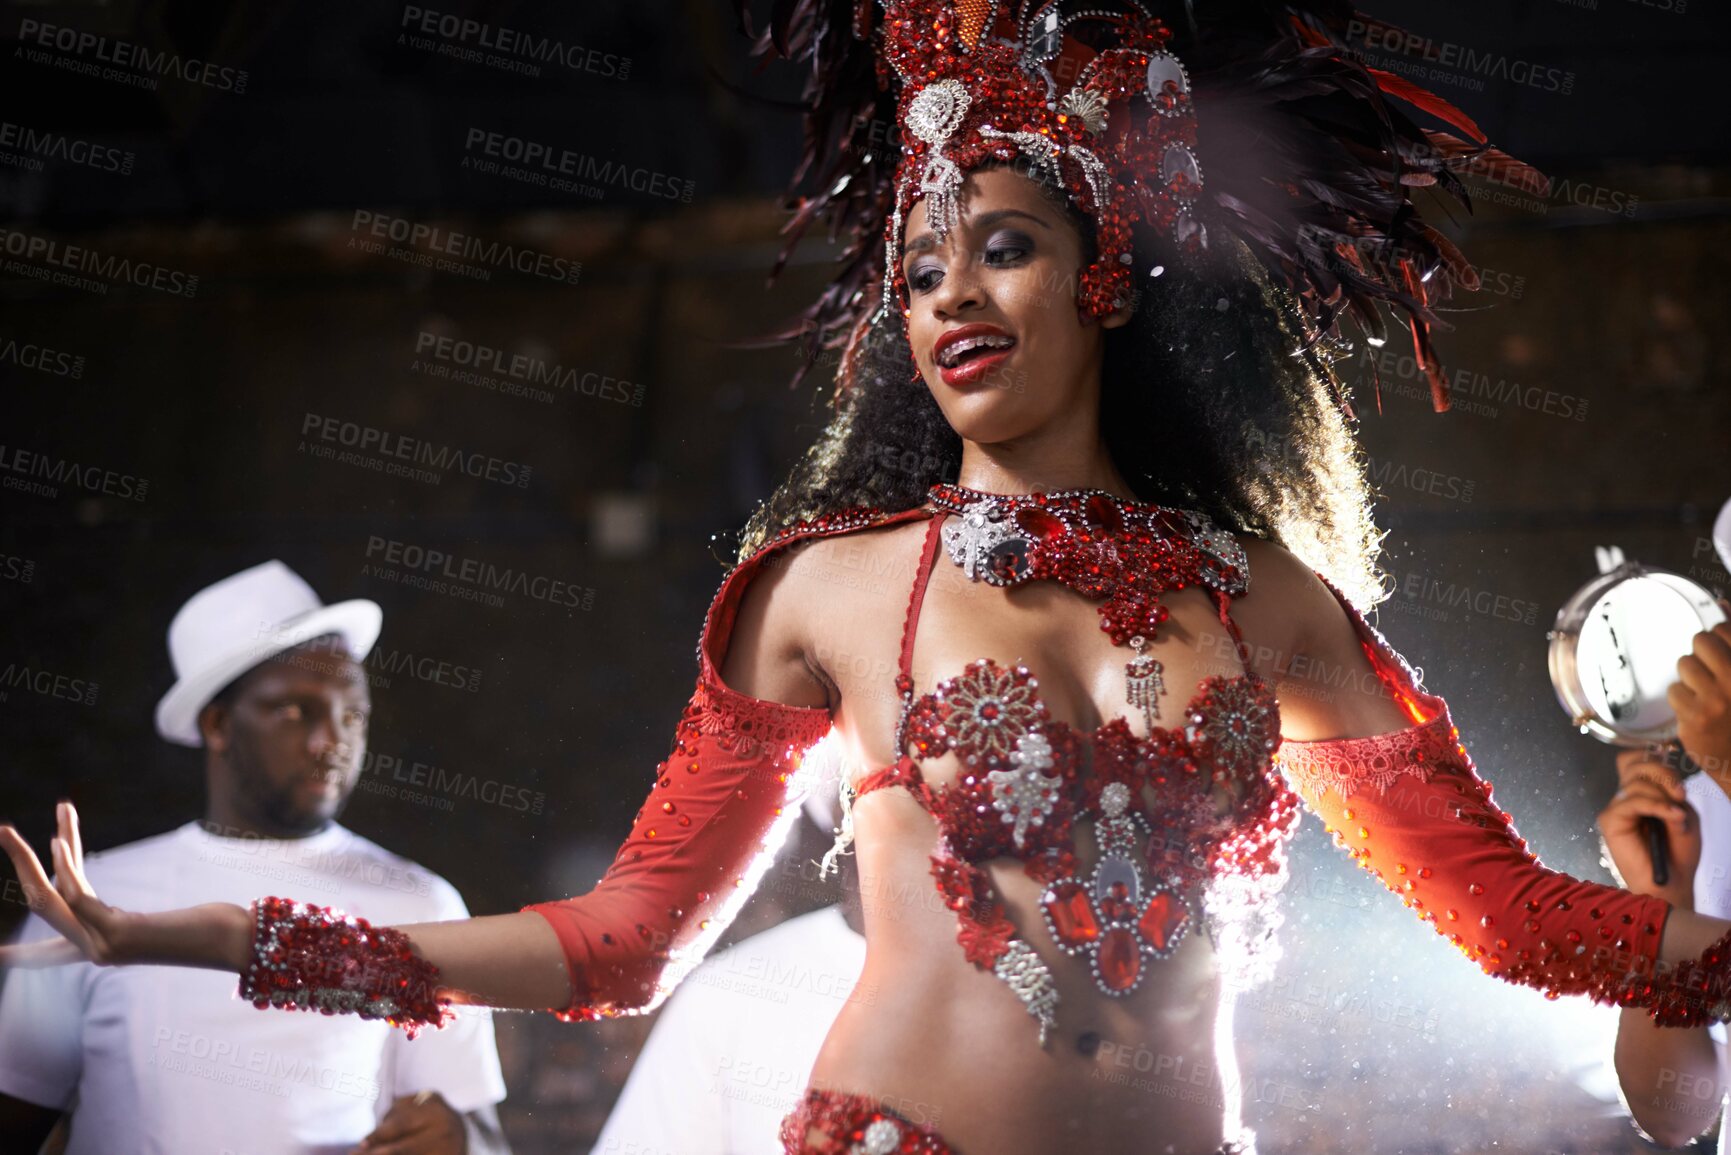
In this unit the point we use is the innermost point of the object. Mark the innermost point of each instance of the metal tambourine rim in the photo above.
(1565, 637)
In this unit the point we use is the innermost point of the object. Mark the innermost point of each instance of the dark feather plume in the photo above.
(1306, 151)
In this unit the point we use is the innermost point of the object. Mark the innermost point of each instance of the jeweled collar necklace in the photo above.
(1101, 545)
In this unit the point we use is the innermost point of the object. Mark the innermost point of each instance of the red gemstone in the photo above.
(1101, 512)
(1163, 920)
(1040, 524)
(1073, 918)
(1120, 960)
(1115, 903)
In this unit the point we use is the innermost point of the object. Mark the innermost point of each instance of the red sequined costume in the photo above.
(837, 1123)
(1407, 805)
(1168, 859)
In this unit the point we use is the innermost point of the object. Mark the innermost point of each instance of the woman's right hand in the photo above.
(216, 935)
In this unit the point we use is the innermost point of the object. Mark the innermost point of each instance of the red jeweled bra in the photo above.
(1026, 779)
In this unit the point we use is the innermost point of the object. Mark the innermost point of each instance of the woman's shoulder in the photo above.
(760, 628)
(855, 523)
(859, 538)
(1287, 606)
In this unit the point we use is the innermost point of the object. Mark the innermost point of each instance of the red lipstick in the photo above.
(966, 354)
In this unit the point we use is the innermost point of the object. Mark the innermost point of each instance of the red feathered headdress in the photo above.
(1308, 157)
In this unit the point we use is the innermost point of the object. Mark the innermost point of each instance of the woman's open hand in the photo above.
(217, 935)
(87, 926)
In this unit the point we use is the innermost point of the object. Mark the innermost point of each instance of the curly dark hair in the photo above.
(1210, 401)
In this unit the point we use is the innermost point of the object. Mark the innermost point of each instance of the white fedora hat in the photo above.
(226, 629)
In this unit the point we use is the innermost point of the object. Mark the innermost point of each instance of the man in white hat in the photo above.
(154, 1059)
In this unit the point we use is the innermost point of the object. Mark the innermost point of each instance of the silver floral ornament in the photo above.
(1086, 105)
(933, 116)
(1026, 795)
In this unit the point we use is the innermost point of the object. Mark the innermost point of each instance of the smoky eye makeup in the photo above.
(1009, 245)
(919, 274)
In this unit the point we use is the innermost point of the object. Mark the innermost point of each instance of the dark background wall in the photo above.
(1594, 411)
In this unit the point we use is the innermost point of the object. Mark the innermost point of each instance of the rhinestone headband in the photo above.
(1091, 100)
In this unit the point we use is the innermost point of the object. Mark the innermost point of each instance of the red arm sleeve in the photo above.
(718, 810)
(1410, 808)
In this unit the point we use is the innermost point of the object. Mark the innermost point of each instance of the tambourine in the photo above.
(1614, 652)
(1615, 646)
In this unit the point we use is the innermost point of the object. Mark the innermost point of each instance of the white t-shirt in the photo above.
(1713, 881)
(170, 1061)
(733, 1049)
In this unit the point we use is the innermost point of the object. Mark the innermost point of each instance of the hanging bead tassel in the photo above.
(843, 833)
(1142, 682)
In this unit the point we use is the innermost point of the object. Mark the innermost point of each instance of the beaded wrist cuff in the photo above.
(1694, 992)
(313, 958)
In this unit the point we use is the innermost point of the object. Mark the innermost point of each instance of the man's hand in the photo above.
(420, 1124)
(1648, 788)
(1702, 701)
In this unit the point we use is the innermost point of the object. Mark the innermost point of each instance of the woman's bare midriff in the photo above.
(945, 1043)
(926, 1032)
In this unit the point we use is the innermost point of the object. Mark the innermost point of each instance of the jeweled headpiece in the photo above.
(1113, 127)
(1309, 159)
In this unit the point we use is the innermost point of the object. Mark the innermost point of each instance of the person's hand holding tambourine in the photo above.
(1702, 701)
(1649, 787)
